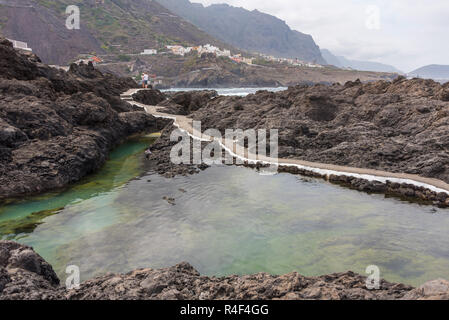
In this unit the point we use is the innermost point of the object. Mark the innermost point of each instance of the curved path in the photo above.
(185, 124)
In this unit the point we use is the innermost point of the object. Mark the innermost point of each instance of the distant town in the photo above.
(182, 51)
(178, 50)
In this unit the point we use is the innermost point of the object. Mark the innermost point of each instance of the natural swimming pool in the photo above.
(226, 220)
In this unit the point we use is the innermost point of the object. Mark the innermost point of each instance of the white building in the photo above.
(247, 60)
(208, 48)
(179, 50)
(224, 53)
(149, 52)
(20, 45)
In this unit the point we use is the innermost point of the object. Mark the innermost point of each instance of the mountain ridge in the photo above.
(433, 71)
(109, 27)
(342, 62)
(253, 31)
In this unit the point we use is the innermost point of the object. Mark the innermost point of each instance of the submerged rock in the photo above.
(170, 200)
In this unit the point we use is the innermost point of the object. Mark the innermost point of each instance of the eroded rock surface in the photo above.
(184, 282)
(25, 275)
(185, 103)
(57, 126)
(399, 126)
(149, 97)
(431, 290)
(160, 161)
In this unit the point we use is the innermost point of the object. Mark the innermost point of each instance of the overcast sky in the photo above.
(408, 33)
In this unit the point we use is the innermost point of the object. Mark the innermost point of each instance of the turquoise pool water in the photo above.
(227, 220)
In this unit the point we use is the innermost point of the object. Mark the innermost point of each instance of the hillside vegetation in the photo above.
(115, 27)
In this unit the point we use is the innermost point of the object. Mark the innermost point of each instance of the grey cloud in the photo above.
(412, 32)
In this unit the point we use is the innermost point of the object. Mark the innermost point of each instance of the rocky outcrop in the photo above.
(183, 282)
(399, 126)
(432, 290)
(405, 191)
(149, 97)
(234, 77)
(25, 275)
(160, 161)
(187, 102)
(57, 126)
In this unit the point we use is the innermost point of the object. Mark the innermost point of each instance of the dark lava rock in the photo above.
(56, 126)
(184, 282)
(184, 103)
(149, 97)
(25, 275)
(159, 160)
(399, 126)
(14, 66)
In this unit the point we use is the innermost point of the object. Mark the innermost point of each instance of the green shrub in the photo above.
(124, 58)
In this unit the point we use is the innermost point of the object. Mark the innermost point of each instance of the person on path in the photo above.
(145, 80)
(142, 78)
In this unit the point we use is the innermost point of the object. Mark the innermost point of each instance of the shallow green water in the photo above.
(227, 220)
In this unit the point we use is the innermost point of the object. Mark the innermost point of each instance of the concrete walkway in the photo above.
(184, 123)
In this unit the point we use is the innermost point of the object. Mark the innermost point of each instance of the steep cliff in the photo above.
(253, 31)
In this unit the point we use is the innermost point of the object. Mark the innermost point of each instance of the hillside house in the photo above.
(247, 60)
(149, 52)
(179, 50)
(237, 58)
(20, 45)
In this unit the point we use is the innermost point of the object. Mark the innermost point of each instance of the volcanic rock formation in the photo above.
(25, 275)
(399, 126)
(57, 126)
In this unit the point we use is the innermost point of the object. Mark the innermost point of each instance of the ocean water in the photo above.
(226, 220)
(230, 91)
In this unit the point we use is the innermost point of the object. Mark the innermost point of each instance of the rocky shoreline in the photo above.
(398, 127)
(160, 162)
(24, 275)
(55, 126)
(403, 191)
(195, 102)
